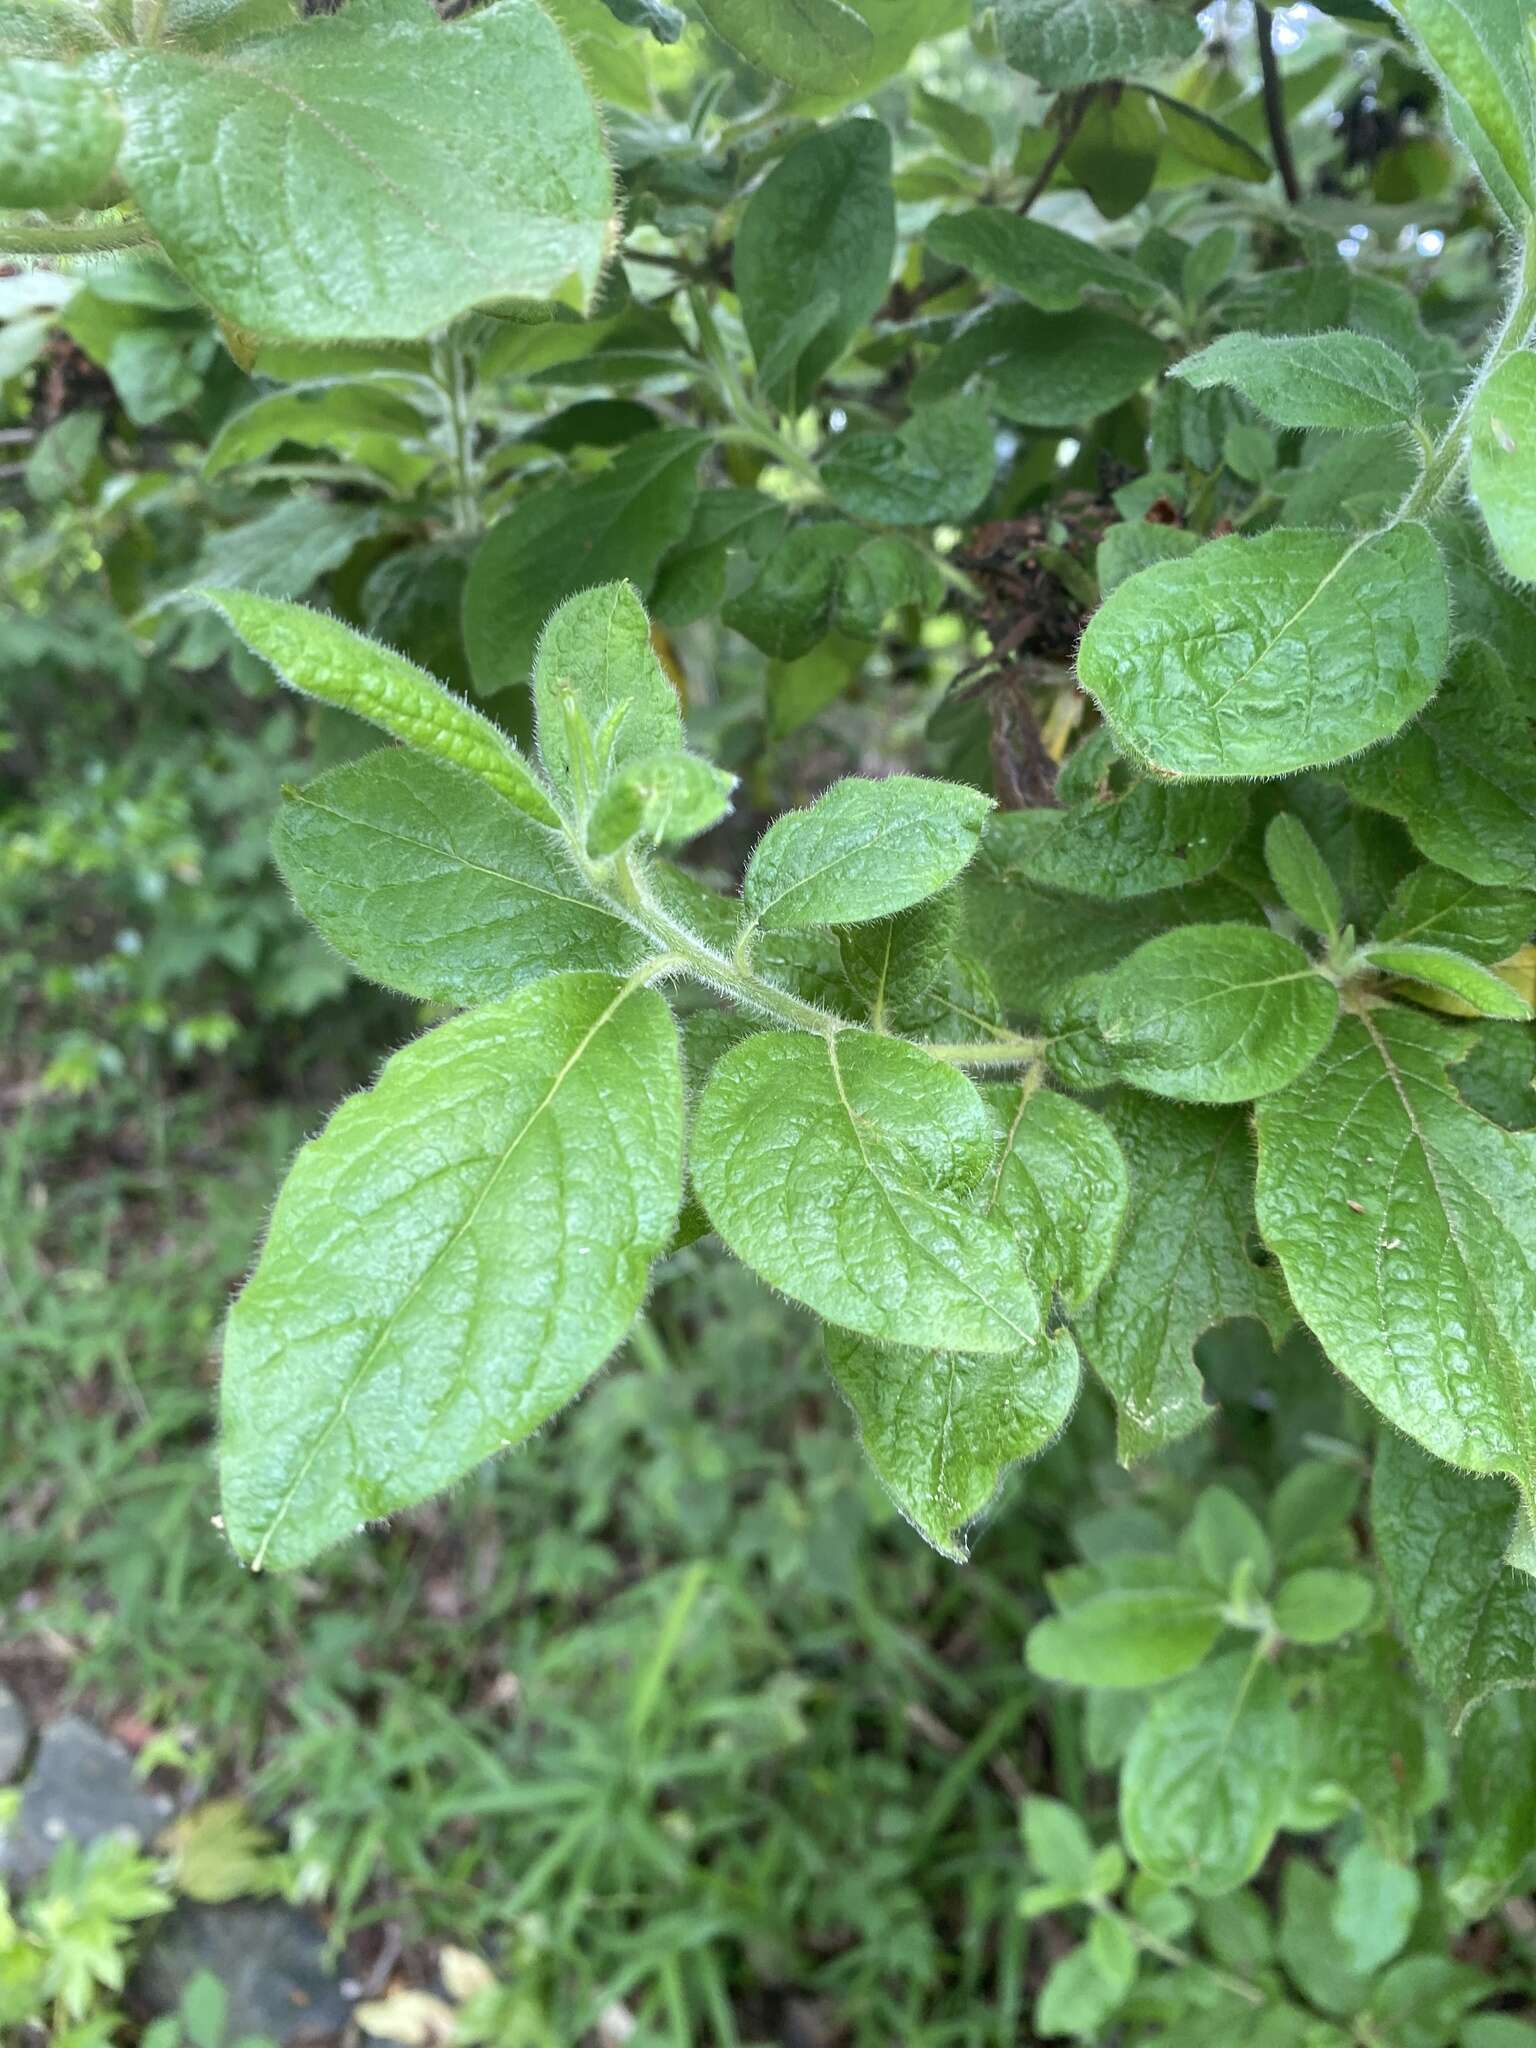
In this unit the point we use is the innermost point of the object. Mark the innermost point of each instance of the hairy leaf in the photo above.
(1128, 842)
(1183, 1265)
(1439, 968)
(1216, 1013)
(942, 1427)
(1406, 1226)
(595, 656)
(1046, 369)
(864, 850)
(1481, 50)
(570, 536)
(1301, 875)
(1502, 470)
(429, 881)
(1443, 1538)
(1260, 657)
(59, 135)
(450, 1260)
(458, 163)
(665, 798)
(1341, 380)
(1076, 42)
(1433, 907)
(936, 466)
(846, 1171)
(326, 659)
(818, 45)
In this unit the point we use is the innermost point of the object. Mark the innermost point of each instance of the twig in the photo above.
(1073, 116)
(1274, 105)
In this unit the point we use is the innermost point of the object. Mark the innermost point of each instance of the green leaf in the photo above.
(1046, 369)
(1077, 42)
(450, 1260)
(1320, 1605)
(1433, 907)
(1492, 1817)
(726, 525)
(1132, 838)
(1374, 1907)
(1059, 1847)
(1481, 50)
(1137, 1637)
(1183, 1265)
(965, 133)
(1205, 1779)
(844, 1171)
(1301, 875)
(665, 799)
(1502, 469)
(817, 45)
(1060, 1184)
(429, 208)
(1443, 1538)
(365, 422)
(1343, 381)
(1260, 657)
(1046, 267)
(1216, 1013)
(1365, 1736)
(1406, 1227)
(612, 526)
(1135, 545)
(865, 849)
(813, 252)
(1463, 777)
(595, 658)
(1225, 1534)
(430, 882)
(325, 659)
(791, 606)
(1087, 1986)
(665, 23)
(942, 1427)
(1198, 136)
(1314, 1956)
(937, 466)
(892, 961)
(1438, 967)
(59, 136)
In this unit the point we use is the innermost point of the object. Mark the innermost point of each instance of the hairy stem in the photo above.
(90, 238)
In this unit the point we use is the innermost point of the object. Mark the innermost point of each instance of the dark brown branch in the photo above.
(1274, 105)
(1073, 114)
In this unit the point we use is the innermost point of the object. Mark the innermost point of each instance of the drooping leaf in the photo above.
(865, 849)
(1502, 468)
(1216, 1013)
(611, 526)
(429, 881)
(1077, 42)
(1183, 1264)
(942, 1427)
(845, 1171)
(1341, 381)
(450, 1260)
(326, 659)
(1437, 967)
(1434, 907)
(1204, 1783)
(1130, 841)
(817, 45)
(366, 422)
(937, 466)
(813, 252)
(59, 135)
(459, 163)
(1463, 777)
(1406, 1227)
(1261, 657)
(1045, 266)
(1443, 1540)
(1046, 369)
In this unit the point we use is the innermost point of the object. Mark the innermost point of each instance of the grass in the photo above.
(666, 1709)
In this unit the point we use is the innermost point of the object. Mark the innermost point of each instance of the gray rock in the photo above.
(81, 1786)
(269, 1958)
(14, 1734)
